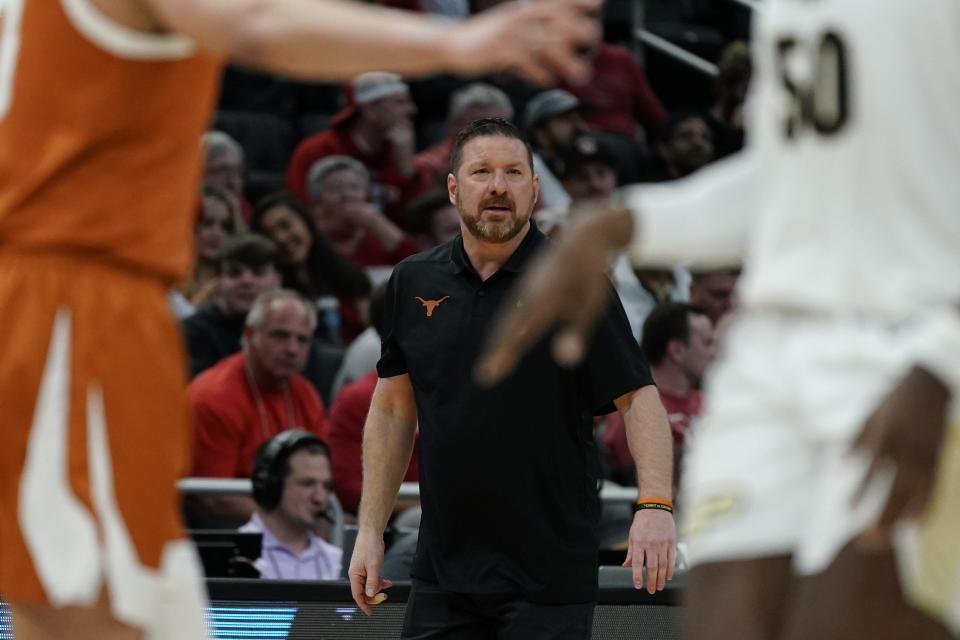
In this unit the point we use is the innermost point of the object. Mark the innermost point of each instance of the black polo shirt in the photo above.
(509, 475)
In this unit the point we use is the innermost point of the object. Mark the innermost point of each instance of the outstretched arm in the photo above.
(335, 39)
(703, 220)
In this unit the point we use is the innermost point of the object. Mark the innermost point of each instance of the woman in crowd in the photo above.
(218, 218)
(312, 267)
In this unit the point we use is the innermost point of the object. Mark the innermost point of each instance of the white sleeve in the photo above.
(702, 221)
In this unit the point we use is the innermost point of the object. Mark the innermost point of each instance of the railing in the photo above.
(666, 47)
(609, 493)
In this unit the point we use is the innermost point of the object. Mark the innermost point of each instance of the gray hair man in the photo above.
(247, 398)
(338, 189)
(474, 101)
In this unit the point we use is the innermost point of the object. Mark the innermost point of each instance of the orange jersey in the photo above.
(100, 131)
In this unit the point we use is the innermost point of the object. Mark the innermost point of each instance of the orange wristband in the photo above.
(664, 501)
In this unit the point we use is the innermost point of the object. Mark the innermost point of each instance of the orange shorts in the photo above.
(96, 434)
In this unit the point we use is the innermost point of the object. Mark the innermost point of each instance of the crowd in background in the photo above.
(363, 187)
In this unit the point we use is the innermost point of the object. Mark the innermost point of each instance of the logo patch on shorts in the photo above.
(707, 511)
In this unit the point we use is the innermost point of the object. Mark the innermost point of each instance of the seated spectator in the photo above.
(309, 265)
(338, 188)
(247, 268)
(247, 398)
(433, 220)
(713, 291)
(684, 144)
(552, 120)
(726, 116)
(477, 100)
(617, 96)
(347, 417)
(224, 168)
(292, 484)
(218, 219)
(363, 353)
(587, 168)
(678, 343)
(376, 128)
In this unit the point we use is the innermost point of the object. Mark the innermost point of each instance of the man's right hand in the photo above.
(364, 573)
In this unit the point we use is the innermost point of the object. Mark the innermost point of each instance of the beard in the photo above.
(494, 232)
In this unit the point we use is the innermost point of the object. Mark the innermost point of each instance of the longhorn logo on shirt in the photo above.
(431, 305)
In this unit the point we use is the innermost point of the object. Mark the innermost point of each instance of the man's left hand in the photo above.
(653, 543)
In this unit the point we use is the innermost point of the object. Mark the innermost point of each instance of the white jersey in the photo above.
(847, 197)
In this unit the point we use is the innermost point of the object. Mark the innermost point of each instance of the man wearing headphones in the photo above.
(292, 486)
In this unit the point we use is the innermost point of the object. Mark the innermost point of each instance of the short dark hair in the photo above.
(668, 321)
(315, 447)
(486, 127)
(249, 249)
(674, 120)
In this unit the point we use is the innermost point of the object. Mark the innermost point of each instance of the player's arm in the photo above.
(702, 220)
(653, 535)
(336, 39)
(388, 437)
(905, 432)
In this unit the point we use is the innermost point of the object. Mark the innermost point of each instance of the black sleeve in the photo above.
(614, 364)
(392, 362)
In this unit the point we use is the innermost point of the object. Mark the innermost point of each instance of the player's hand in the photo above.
(566, 288)
(539, 39)
(653, 543)
(904, 433)
(366, 585)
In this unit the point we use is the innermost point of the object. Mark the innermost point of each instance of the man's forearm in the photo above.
(387, 445)
(650, 442)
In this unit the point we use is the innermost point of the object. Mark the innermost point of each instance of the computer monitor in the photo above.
(227, 553)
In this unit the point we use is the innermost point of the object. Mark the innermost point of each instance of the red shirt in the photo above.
(618, 94)
(347, 417)
(391, 191)
(433, 163)
(228, 427)
(370, 253)
(681, 410)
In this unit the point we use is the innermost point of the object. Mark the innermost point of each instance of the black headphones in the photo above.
(273, 454)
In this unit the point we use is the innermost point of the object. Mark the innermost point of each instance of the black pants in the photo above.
(433, 613)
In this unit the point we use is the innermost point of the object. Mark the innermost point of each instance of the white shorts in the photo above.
(769, 470)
